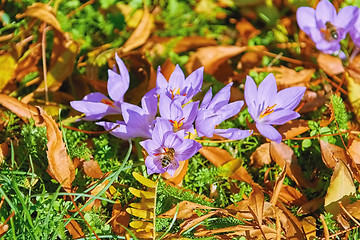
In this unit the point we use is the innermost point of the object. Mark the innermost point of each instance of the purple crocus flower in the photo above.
(269, 107)
(97, 105)
(167, 148)
(214, 111)
(324, 26)
(138, 121)
(178, 86)
(355, 32)
(182, 118)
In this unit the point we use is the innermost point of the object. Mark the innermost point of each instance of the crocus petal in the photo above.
(267, 90)
(150, 103)
(221, 98)
(177, 79)
(325, 12)
(250, 95)
(190, 111)
(150, 146)
(165, 106)
(118, 84)
(196, 80)
(128, 109)
(233, 133)
(205, 123)
(161, 83)
(120, 129)
(153, 165)
(296, 94)
(328, 47)
(171, 140)
(316, 35)
(93, 110)
(279, 117)
(161, 127)
(306, 18)
(172, 168)
(206, 100)
(229, 110)
(346, 17)
(269, 131)
(187, 149)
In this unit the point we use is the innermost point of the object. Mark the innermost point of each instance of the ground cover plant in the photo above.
(206, 119)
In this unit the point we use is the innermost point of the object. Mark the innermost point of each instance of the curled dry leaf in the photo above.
(141, 33)
(4, 150)
(92, 169)
(178, 175)
(331, 154)
(119, 217)
(288, 77)
(283, 155)
(330, 64)
(354, 150)
(261, 156)
(353, 94)
(313, 100)
(186, 210)
(354, 209)
(341, 188)
(311, 206)
(44, 12)
(293, 128)
(246, 30)
(74, 228)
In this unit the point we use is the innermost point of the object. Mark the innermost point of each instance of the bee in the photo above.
(167, 157)
(330, 32)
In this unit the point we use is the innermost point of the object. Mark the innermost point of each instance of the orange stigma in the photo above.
(173, 92)
(108, 102)
(177, 124)
(267, 111)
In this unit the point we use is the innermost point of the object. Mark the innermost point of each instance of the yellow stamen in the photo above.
(267, 111)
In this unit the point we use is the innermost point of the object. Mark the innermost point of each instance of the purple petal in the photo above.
(172, 140)
(187, 149)
(196, 80)
(93, 110)
(233, 133)
(151, 146)
(306, 19)
(250, 95)
(120, 131)
(190, 111)
(161, 82)
(153, 165)
(316, 35)
(269, 131)
(205, 123)
(177, 78)
(118, 84)
(161, 127)
(150, 103)
(279, 117)
(131, 111)
(325, 12)
(172, 167)
(346, 17)
(221, 98)
(206, 100)
(328, 47)
(289, 98)
(164, 106)
(229, 110)
(267, 90)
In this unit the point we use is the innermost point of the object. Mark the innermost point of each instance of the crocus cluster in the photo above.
(168, 116)
(327, 28)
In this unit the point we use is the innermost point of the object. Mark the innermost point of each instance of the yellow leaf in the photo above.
(8, 66)
(229, 168)
(354, 97)
(140, 213)
(142, 194)
(341, 188)
(144, 181)
(147, 226)
(143, 204)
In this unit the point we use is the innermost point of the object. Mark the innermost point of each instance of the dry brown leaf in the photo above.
(313, 100)
(278, 186)
(261, 156)
(341, 188)
(288, 77)
(292, 226)
(219, 157)
(94, 192)
(331, 154)
(354, 209)
(192, 222)
(22, 110)
(309, 225)
(92, 169)
(311, 206)
(246, 30)
(186, 210)
(212, 57)
(42, 11)
(291, 197)
(141, 33)
(4, 150)
(119, 216)
(282, 154)
(354, 150)
(60, 167)
(330, 64)
(193, 42)
(74, 229)
(293, 128)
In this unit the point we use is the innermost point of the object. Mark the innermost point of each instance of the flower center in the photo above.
(330, 32)
(267, 111)
(177, 124)
(166, 157)
(175, 91)
(108, 102)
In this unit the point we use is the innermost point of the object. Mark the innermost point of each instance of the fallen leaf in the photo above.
(141, 33)
(4, 150)
(7, 70)
(261, 156)
(278, 186)
(193, 42)
(293, 128)
(331, 154)
(330, 64)
(178, 175)
(309, 225)
(246, 30)
(353, 94)
(60, 167)
(313, 100)
(354, 150)
(186, 210)
(74, 228)
(42, 11)
(293, 227)
(144, 181)
(354, 209)
(311, 206)
(341, 188)
(92, 169)
(120, 217)
(283, 155)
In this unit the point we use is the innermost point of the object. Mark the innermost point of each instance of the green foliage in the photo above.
(341, 115)
(12, 126)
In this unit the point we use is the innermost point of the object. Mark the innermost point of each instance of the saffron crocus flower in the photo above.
(138, 121)
(324, 26)
(182, 118)
(97, 105)
(268, 107)
(214, 111)
(167, 148)
(178, 86)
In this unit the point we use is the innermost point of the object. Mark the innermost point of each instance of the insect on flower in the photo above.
(330, 32)
(167, 157)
